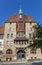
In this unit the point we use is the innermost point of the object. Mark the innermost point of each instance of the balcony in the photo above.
(21, 45)
(21, 42)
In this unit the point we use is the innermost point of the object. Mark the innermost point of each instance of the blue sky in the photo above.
(29, 7)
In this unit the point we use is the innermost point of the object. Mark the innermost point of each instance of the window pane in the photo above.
(33, 51)
(30, 35)
(1, 36)
(0, 43)
(7, 35)
(20, 34)
(11, 35)
(8, 43)
(11, 43)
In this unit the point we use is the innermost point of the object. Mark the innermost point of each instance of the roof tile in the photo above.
(2, 30)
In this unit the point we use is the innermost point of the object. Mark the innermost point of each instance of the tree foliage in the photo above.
(37, 37)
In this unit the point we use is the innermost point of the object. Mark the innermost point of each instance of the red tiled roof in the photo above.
(2, 30)
(17, 19)
(24, 19)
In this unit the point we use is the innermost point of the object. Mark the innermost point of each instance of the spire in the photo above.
(20, 11)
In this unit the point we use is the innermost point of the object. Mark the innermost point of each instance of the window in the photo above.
(16, 42)
(9, 51)
(8, 43)
(11, 43)
(30, 42)
(1, 36)
(0, 43)
(30, 25)
(20, 34)
(11, 35)
(30, 35)
(8, 35)
(31, 57)
(19, 42)
(23, 42)
(30, 28)
(35, 57)
(32, 51)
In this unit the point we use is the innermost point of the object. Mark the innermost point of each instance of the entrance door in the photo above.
(21, 54)
(8, 59)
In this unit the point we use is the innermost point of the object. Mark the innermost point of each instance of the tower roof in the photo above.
(20, 11)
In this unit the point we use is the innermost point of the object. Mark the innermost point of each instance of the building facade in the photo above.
(16, 35)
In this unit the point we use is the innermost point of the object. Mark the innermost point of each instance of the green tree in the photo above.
(37, 37)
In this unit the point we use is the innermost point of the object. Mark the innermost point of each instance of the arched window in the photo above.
(9, 51)
(32, 51)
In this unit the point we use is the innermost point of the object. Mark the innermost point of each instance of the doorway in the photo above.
(21, 54)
